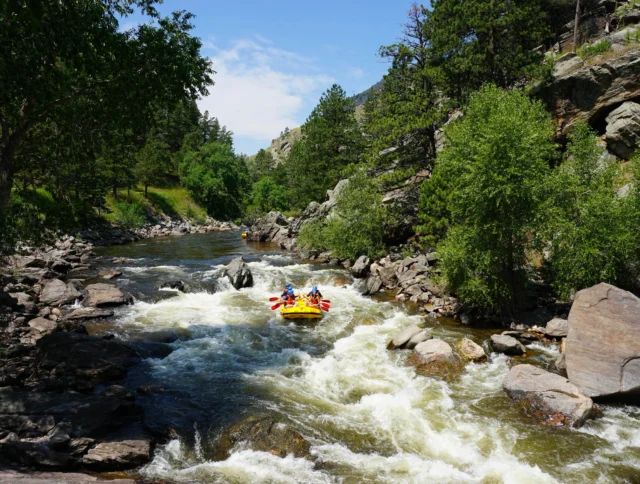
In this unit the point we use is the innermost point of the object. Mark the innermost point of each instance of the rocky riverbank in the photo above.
(62, 402)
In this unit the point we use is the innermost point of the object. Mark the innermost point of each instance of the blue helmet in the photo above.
(287, 285)
(290, 292)
(314, 289)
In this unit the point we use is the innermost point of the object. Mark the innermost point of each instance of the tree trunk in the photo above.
(575, 26)
(6, 177)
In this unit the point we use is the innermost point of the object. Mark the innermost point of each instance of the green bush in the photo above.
(590, 231)
(129, 215)
(593, 50)
(267, 195)
(495, 162)
(357, 227)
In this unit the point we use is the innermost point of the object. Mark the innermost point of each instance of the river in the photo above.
(368, 415)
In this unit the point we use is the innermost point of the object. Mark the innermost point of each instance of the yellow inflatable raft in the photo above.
(300, 310)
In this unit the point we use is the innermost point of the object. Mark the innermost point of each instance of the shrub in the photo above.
(496, 160)
(590, 231)
(356, 227)
(593, 50)
(129, 215)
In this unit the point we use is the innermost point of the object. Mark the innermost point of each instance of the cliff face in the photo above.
(281, 146)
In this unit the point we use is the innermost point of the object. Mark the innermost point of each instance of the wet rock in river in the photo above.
(603, 345)
(266, 434)
(435, 352)
(177, 285)
(239, 273)
(109, 274)
(468, 350)
(361, 266)
(125, 454)
(101, 295)
(548, 397)
(89, 313)
(508, 345)
(409, 338)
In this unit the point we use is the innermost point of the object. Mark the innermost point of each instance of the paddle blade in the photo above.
(276, 306)
(326, 301)
(272, 299)
(325, 308)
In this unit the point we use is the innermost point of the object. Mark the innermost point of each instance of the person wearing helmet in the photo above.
(291, 298)
(285, 293)
(314, 296)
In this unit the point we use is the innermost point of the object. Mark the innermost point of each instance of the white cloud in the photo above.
(261, 89)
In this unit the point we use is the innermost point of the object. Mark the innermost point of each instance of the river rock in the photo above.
(603, 344)
(471, 351)
(550, 398)
(508, 345)
(177, 285)
(361, 266)
(623, 130)
(264, 433)
(89, 313)
(85, 356)
(101, 295)
(557, 328)
(409, 338)
(239, 273)
(372, 285)
(435, 351)
(109, 274)
(57, 293)
(121, 455)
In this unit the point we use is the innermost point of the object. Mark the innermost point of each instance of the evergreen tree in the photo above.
(486, 41)
(331, 142)
(262, 165)
(404, 113)
(153, 162)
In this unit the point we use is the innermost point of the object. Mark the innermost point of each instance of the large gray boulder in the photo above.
(409, 338)
(549, 397)
(105, 295)
(266, 229)
(470, 351)
(239, 274)
(56, 293)
(603, 344)
(623, 129)
(501, 343)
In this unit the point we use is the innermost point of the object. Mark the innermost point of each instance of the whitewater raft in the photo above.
(300, 310)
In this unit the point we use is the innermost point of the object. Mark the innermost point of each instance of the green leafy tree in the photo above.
(591, 231)
(434, 212)
(497, 158)
(487, 41)
(154, 161)
(216, 178)
(64, 57)
(267, 195)
(331, 142)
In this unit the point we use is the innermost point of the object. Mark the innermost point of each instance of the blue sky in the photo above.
(275, 58)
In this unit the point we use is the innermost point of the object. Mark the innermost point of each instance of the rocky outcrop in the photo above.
(591, 92)
(470, 351)
(623, 130)
(105, 295)
(409, 338)
(603, 345)
(548, 397)
(501, 343)
(239, 274)
(361, 266)
(275, 228)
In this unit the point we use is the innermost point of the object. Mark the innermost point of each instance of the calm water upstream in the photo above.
(367, 414)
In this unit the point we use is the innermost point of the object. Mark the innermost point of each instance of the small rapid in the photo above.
(367, 414)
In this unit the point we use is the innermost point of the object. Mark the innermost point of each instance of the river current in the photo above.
(368, 415)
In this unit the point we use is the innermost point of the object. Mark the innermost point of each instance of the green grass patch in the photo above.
(599, 48)
(174, 202)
